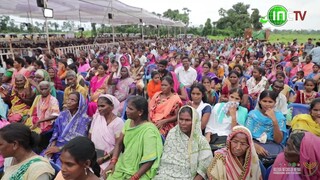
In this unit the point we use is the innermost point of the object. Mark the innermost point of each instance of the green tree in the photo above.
(207, 29)
(255, 16)
(236, 19)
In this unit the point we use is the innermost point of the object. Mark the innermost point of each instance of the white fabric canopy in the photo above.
(87, 11)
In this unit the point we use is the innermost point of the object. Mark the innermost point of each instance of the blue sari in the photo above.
(258, 123)
(67, 127)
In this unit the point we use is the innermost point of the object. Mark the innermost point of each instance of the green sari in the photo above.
(142, 144)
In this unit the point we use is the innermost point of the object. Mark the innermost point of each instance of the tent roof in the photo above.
(87, 11)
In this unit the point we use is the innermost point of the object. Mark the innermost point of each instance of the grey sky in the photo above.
(203, 9)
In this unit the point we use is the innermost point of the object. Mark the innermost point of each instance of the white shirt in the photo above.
(214, 127)
(186, 77)
(142, 59)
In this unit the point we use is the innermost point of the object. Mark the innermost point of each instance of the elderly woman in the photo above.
(308, 122)
(186, 154)
(238, 160)
(106, 128)
(21, 99)
(70, 123)
(42, 75)
(73, 86)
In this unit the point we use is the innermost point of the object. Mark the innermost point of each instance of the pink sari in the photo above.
(97, 87)
(309, 162)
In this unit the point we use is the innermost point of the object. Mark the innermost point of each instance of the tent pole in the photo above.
(142, 36)
(47, 30)
(113, 40)
(158, 31)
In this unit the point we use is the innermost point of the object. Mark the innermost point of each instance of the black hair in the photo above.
(73, 67)
(313, 81)
(186, 109)
(40, 64)
(260, 70)
(185, 57)
(48, 55)
(236, 90)
(97, 59)
(9, 61)
(163, 62)
(141, 104)
(281, 74)
(64, 63)
(300, 72)
(314, 102)
(29, 60)
(202, 89)
(154, 73)
(20, 61)
(240, 67)
(169, 80)
(234, 72)
(296, 138)
(266, 93)
(208, 64)
(206, 78)
(104, 66)
(106, 100)
(278, 81)
(83, 149)
(20, 133)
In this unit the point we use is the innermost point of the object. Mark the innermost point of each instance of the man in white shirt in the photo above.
(186, 74)
(142, 58)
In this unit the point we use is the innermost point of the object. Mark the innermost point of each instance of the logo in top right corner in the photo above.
(278, 15)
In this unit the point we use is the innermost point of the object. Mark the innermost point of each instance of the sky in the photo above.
(203, 9)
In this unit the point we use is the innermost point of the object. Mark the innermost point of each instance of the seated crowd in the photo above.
(174, 109)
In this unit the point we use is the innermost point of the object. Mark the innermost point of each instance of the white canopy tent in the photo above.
(87, 11)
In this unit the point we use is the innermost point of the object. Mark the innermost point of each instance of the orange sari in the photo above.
(160, 109)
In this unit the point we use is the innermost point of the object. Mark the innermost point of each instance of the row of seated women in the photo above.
(139, 152)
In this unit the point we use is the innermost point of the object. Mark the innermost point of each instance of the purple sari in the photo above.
(211, 75)
(67, 127)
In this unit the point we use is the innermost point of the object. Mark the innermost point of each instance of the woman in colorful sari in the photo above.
(137, 71)
(44, 109)
(206, 72)
(17, 141)
(98, 85)
(164, 107)
(267, 126)
(123, 86)
(105, 128)
(308, 122)
(307, 95)
(302, 148)
(257, 83)
(124, 61)
(42, 75)
(83, 65)
(224, 117)
(238, 160)
(55, 79)
(293, 67)
(140, 143)
(186, 153)
(70, 123)
(21, 99)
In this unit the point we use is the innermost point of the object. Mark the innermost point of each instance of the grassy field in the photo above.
(302, 38)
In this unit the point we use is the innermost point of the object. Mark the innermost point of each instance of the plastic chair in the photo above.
(163, 139)
(56, 168)
(252, 103)
(60, 95)
(298, 108)
(299, 85)
(63, 82)
(188, 91)
(266, 177)
(147, 72)
(84, 74)
(123, 113)
(87, 83)
(216, 95)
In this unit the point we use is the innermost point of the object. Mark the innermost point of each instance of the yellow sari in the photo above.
(306, 123)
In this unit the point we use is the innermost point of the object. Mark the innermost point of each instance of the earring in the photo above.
(140, 114)
(85, 171)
